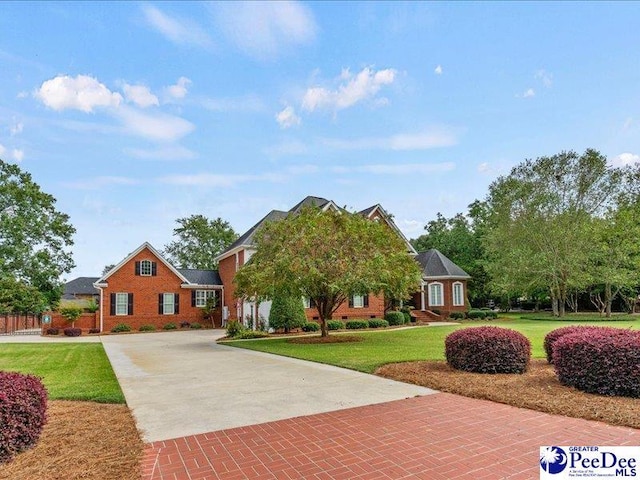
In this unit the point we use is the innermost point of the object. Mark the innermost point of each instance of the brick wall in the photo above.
(447, 293)
(85, 322)
(375, 309)
(227, 270)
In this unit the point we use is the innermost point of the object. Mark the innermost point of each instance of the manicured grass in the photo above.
(68, 371)
(571, 317)
(420, 343)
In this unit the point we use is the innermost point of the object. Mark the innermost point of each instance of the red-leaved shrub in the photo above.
(53, 331)
(488, 350)
(551, 337)
(23, 406)
(72, 332)
(606, 362)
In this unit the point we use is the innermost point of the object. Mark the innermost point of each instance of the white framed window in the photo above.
(145, 268)
(202, 296)
(122, 304)
(168, 303)
(306, 302)
(458, 294)
(358, 301)
(435, 295)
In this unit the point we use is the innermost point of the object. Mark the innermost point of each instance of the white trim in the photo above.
(353, 300)
(199, 286)
(101, 308)
(172, 303)
(445, 277)
(228, 253)
(422, 297)
(150, 268)
(431, 302)
(453, 294)
(126, 304)
(383, 213)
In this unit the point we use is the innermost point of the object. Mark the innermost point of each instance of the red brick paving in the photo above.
(435, 437)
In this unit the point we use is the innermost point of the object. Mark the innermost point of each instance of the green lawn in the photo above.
(420, 343)
(69, 371)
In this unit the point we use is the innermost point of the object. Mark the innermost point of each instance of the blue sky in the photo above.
(135, 114)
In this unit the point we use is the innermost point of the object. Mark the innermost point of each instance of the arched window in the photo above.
(145, 268)
(458, 294)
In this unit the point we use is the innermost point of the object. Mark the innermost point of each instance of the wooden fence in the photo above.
(13, 324)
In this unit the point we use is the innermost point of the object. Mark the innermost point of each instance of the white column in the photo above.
(422, 303)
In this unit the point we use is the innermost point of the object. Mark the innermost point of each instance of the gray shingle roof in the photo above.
(80, 286)
(247, 237)
(201, 277)
(435, 264)
(309, 201)
(367, 211)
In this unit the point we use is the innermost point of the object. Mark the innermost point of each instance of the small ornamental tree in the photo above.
(286, 313)
(327, 256)
(71, 314)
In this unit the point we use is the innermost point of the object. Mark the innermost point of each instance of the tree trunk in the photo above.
(554, 303)
(608, 299)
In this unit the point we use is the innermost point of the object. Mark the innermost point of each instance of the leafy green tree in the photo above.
(327, 256)
(108, 268)
(539, 223)
(286, 313)
(18, 297)
(199, 241)
(35, 238)
(71, 314)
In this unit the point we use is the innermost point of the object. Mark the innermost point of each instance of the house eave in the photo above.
(446, 277)
(196, 286)
(233, 251)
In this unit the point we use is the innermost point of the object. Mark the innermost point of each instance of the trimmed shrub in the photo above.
(490, 315)
(248, 334)
(310, 327)
(196, 326)
(358, 324)
(121, 327)
(287, 313)
(335, 325)
(602, 362)
(554, 335)
(23, 407)
(147, 328)
(72, 332)
(488, 350)
(378, 323)
(395, 318)
(234, 328)
(53, 331)
(407, 315)
(169, 326)
(476, 314)
(457, 315)
(185, 324)
(94, 330)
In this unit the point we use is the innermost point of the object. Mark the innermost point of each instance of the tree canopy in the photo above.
(327, 256)
(35, 238)
(199, 241)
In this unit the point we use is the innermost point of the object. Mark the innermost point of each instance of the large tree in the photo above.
(35, 238)
(540, 220)
(327, 256)
(199, 241)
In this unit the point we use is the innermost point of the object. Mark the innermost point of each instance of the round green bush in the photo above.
(196, 326)
(121, 327)
(169, 326)
(234, 328)
(23, 407)
(490, 315)
(356, 324)
(488, 350)
(147, 328)
(378, 323)
(457, 315)
(287, 313)
(335, 325)
(406, 311)
(310, 327)
(395, 318)
(476, 314)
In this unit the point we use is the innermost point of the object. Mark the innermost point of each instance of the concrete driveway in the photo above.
(183, 383)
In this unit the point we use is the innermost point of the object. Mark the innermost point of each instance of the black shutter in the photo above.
(312, 303)
(160, 303)
(112, 307)
(130, 304)
(176, 303)
(154, 269)
(366, 300)
(351, 301)
(193, 298)
(137, 268)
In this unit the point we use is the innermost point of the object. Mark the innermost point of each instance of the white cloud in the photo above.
(402, 141)
(171, 152)
(354, 88)
(177, 30)
(140, 95)
(247, 103)
(438, 70)
(3, 149)
(157, 126)
(483, 167)
(287, 118)
(215, 180)
(625, 159)
(16, 129)
(263, 29)
(82, 93)
(528, 93)
(545, 77)
(410, 226)
(179, 90)
(100, 182)
(287, 148)
(17, 154)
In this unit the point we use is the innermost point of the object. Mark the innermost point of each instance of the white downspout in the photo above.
(101, 307)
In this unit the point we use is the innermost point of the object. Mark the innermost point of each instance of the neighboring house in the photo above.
(81, 288)
(443, 288)
(359, 306)
(145, 289)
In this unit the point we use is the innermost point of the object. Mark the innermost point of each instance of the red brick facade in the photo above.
(447, 295)
(227, 268)
(374, 308)
(143, 294)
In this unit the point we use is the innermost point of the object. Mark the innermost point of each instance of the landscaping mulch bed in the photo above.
(329, 339)
(538, 389)
(82, 440)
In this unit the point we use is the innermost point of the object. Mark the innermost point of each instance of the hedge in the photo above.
(395, 318)
(335, 324)
(147, 328)
(488, 350)
(23, 407)
(602, 362)
(357, 324)
(121, 327)
(456, 315)
(476, 314)
(311, 327)
(72, 332)
(378, 323)
(170, 326)
(554, 335)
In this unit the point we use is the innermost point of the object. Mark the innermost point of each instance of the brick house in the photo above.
(358, 306)
(145, 289)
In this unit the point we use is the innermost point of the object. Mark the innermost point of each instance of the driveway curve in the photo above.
(184, 383)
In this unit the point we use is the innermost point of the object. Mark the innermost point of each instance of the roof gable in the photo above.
(246, 239)
(376, 211)
(435, 265)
